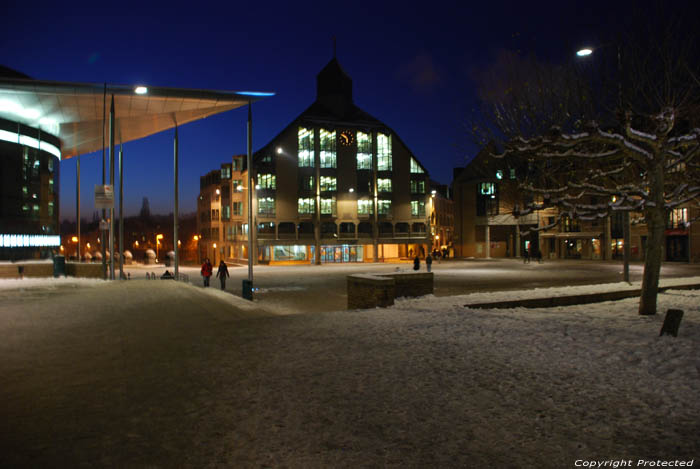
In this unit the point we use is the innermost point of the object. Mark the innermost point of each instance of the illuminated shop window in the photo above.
(364, 150)
(384, 207)
(365, 207)
(266, 206)
(383, 152)
(328, 183)
(306, 205)
(384, 185)
(415, 167)
(328, 206)
(417, 208)
(328, 153)
(267, 181)
(678, 218)
(306, 147)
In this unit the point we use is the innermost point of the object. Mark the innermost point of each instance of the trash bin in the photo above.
(248, 290)
(59, 266)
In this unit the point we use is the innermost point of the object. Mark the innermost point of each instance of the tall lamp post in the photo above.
(626, 235)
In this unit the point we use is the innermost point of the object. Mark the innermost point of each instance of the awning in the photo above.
(74, 111)
(570, 235)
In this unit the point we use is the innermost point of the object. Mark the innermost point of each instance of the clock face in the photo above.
(347, 138)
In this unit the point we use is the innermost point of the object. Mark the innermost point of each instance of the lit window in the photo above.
(512, 173)
(364, 150)
(499, 174)
(226, 172)
(417, 208)
(328, 153)
(51, 185)
(365, 207)
(267, 181)
(238, 208)
(383, 152)
(384, 207)
(306, 205)
(417, 187)
(415, 167)
(487, 188)
(226, 212)
(306, 147)
(237, 186)
(50, 209)
(328, 206)
(328, 183)
(266, 206)
(384, 185)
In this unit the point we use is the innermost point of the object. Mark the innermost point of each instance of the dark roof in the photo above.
(10, 73)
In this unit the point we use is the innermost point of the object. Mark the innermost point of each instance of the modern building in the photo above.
(29, 172)
(486, 195)
(335, 185)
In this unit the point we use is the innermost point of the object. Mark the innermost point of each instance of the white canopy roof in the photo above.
(74, 111)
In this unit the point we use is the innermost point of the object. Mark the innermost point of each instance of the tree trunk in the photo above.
(656, 224)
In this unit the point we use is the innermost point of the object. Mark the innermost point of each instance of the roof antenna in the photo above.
(334, 47)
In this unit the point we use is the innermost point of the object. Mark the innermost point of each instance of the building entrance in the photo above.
(341, 253)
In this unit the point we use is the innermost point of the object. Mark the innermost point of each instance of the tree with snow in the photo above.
(595, 140)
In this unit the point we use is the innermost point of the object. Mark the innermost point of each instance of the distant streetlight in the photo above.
(279, 150)
(584, 52)
(351, 190)
(74, 239)
(158, 238)
(218, 192)
(140, 90)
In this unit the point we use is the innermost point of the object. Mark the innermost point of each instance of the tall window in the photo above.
(328, 206)
(570, 225)
(365, 207)
(364, 150)
(226, 212)
(417, 187)
(384, 207)
(384, 185)
(267, 181)
(417, 208)
(328, 154)
(266, 206)
(238, 208)
(50, 209)
(215, 214)
(487, 199)
(306, 205)
(226, 172)
(678, 218)
(307, 183)
(306, 147)
(383, 152)
(415, 167)
(328, 183)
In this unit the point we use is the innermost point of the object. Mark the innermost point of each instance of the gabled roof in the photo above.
(74, 111)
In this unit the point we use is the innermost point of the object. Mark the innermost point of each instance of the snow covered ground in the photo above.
(158, 373)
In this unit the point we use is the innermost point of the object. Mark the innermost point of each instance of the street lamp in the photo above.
(158, 238)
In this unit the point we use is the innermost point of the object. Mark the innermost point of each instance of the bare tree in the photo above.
(624, 135)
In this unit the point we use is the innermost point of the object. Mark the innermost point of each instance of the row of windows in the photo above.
(307, 206)
(330, 183)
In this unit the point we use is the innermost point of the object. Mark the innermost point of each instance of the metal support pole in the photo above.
(101, 231)
(111, 182)
(175, 212)
(626, 248)
(249, 158)
(77, 201)
(121, 210)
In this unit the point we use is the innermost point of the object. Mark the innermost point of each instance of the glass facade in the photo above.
(306, 147)
(415, 167)
(306, 205)
(417, 208)
(384, 207)
(364, 150)
(266, 206)
(384, 185)
(365, 207)
(328, 148)
(328, 206)
(267, 181)
(328, 183)
(384, 152)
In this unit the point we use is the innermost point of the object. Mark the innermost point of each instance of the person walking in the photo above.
(222, 273)
(416, 262)
(206, 271)
(428, 262)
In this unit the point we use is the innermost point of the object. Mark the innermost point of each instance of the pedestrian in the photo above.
(416, 262)
(526, 256)
(428, 262)
(444, 253)
(222, 273)
(206, 271)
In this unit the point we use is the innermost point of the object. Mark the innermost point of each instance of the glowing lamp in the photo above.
(140, 90)
(584, 52)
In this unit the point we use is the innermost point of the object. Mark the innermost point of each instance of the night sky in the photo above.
(412, 68)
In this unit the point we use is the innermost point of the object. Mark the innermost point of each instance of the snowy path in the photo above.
(160, 374)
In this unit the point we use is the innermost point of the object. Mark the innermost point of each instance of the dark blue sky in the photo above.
(411, 67)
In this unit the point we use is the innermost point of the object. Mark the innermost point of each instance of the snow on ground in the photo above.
(48, 283)
(162, 375)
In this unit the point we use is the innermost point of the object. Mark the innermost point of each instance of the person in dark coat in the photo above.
(428, 262)
(206, 271)
(416, 262)
(222, 273)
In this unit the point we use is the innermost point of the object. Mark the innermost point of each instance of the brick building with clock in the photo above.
(336, 185)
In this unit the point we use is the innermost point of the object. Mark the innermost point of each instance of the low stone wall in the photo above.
(75, 269)
(30, 270)
(371, 291)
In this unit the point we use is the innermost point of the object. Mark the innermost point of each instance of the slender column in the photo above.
(317, 191)
(249, 160)
(121, 210)
(175, 212)
(626, 248)
(103, 244)
(607, 249)
(488, 241)
(375, 227)
(516, 248)
(77, 200)
(111, 181)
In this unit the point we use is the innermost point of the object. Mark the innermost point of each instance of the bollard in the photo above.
(672, 322)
